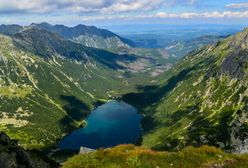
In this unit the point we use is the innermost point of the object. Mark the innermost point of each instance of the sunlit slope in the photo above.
(202, 100)
(137, 157)
(42, 99)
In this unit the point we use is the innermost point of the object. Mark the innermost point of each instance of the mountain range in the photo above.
(51, 77)
(89, 36)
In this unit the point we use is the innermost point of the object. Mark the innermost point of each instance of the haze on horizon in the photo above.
(118, 12)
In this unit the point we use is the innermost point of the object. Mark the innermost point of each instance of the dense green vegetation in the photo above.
(49, 84)
(134, 157)
(201, 100)
(46, 92)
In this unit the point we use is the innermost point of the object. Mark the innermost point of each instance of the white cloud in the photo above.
(59, 11)
(82, 6)
(164, 15)
(192, 15)
(237, 5)
(133, 5)
(77, 6)
(184, 2)
(73, 19)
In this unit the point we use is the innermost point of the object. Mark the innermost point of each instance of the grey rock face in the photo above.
(235, 64)
(84, 150)
(13, 156)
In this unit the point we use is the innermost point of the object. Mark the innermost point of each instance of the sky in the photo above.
(118, 12)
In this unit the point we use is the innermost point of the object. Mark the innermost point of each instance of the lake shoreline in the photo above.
(106, 116)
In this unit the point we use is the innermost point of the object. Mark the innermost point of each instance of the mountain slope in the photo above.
(66, 40)
(46, 89)
(10, 29)
(89, 36)
(202, 100)
(47, 44)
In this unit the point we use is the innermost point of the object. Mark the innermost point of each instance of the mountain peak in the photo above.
(40, 25)
(46, 44)
(83, 34)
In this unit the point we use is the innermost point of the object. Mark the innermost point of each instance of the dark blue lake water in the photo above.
(108, 125)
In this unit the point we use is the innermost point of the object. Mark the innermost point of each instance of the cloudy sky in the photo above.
(107, 12)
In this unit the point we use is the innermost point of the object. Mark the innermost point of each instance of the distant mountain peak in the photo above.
(42, 23)
(89, 36)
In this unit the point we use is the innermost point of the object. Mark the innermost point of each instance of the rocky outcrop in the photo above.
(84, 150)
(13, 156)
(235, 64)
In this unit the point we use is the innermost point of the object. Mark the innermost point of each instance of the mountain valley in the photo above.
(53, 76)
(201, 100)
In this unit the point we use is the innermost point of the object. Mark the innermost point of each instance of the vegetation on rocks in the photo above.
(134, 157)
(202, 100)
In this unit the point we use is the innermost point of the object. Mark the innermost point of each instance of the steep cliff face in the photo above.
(13, 156)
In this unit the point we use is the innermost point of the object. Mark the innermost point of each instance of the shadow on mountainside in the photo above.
(75, 108)
(203, 131)
(149, 95)
(172, 122)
